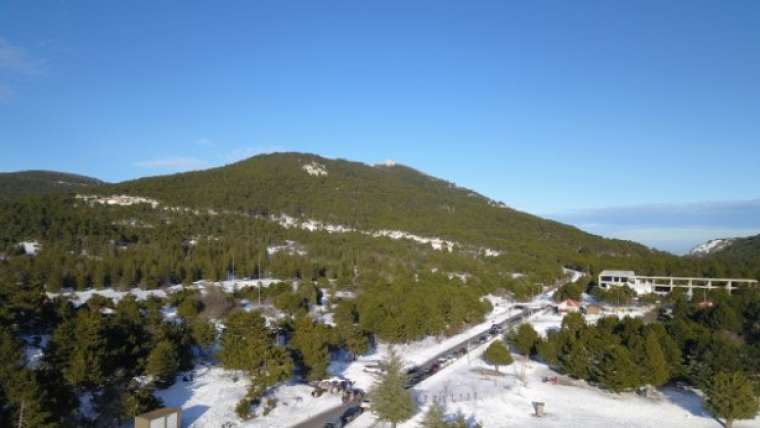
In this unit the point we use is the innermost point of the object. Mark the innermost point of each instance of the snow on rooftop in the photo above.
(315, 169)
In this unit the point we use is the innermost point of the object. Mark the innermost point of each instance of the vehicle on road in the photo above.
(333, 423)
(351, 414)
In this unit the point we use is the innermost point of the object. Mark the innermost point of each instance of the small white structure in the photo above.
(666, 284)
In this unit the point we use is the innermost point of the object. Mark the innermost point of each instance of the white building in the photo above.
(666, 284)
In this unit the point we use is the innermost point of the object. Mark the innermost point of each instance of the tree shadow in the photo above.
(192, 414)
(687, 400)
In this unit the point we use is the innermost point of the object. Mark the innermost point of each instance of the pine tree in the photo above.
(525, 339)
(435, 417)
(730, 396)
(163, 363)
(657, 367)
(136, 400)
(311, 340)
(391, 402)
(497, 355)
(617, 371)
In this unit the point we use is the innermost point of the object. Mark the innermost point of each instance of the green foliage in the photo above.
(163, 363)
(391, 402)
(618, 296)
(14, 185)
(617, 371)
(248, 345)
(497, 355)
(243, 409)
(244, 341)
(415, 307)
(136, 400)
(435, 417)
(312, 340)
(203, 333)
(525, 339)
(657, 366)
(571, 290)
(730, 396)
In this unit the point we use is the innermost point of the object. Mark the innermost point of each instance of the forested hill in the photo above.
(744, 253)
(23, 183)
(365, 197)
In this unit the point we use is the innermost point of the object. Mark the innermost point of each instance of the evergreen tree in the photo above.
(658, 372)
(497, 355)
(617, 371)
(525, 339)
(731, 396)
(391, 402)
(136, 400)
(312, 340)
(435, 417)
(163, 363)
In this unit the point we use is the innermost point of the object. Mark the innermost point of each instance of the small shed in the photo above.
(568, 305)
(167, 417)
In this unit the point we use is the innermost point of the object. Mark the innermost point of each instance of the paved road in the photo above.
(318, 421)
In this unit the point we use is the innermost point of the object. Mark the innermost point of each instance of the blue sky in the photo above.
(558, 108)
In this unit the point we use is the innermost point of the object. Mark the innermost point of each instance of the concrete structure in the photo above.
(168, 417)
(666, 284)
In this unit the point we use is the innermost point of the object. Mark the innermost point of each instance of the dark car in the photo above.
(351, 414)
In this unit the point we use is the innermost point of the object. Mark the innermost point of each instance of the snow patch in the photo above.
(79, 298)
(315, 169)
(118, 200)
(31, 248)
(710, 247)
(289, 247)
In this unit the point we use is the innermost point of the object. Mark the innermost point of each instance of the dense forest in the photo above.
(15, 185)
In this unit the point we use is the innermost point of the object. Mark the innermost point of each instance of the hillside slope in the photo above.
(25, 183)
(368, 197)
(742, 253)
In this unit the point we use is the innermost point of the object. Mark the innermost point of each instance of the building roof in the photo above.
(569, 302)
(618, 273)
(158, 413)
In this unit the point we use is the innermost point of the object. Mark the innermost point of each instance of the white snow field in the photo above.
(79, 298)
(209, 399)
(467, 387)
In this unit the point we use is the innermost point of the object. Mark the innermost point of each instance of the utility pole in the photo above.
(258, 273)
(21, 416)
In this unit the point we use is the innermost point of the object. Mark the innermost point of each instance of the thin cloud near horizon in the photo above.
(676, 228)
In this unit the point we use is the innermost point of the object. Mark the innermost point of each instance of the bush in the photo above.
(243, 409)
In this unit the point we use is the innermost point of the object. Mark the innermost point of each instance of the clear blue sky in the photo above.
(550, 106)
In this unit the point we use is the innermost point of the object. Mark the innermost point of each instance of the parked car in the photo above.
(351, 414)
(333, 423)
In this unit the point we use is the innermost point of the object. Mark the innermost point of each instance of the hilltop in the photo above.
(37, 182)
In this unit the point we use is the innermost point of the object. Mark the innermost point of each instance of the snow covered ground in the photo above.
(209, 399)
(415, 353)
(79, 298)
(466, 387)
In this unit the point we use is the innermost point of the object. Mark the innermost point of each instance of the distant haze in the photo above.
(671, 227)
